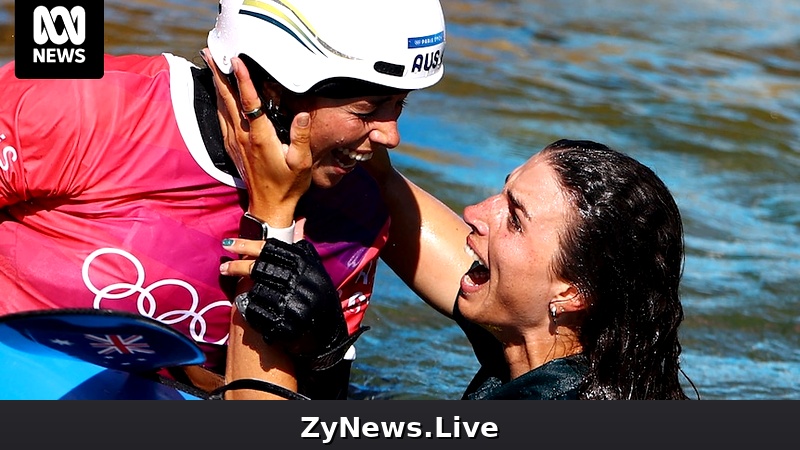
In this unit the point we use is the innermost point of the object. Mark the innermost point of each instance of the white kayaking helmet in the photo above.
(305, 43)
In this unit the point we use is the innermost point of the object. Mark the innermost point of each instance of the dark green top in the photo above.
(559, 379)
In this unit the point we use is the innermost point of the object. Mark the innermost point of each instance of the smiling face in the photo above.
(346, 131)
(515, 238)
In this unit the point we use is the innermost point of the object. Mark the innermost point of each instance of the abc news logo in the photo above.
(58, 39)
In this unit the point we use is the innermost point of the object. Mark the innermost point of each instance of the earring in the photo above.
(553, 312)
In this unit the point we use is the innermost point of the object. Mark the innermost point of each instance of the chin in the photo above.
(325, 180)
(464, 305)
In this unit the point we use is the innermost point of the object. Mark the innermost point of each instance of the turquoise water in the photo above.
(704, 92)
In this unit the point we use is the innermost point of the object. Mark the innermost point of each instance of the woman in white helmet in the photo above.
(125, 186)
(319, 56)
(350, 65)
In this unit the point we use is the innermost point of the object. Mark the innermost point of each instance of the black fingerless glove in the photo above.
(294, 304)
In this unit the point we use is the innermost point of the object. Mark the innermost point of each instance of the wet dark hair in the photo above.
(623, 251)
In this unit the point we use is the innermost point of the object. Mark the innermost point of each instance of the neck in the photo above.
(531, 352)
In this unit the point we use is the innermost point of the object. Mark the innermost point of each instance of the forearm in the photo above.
(249, 357)
(288, 323)
(426, 242)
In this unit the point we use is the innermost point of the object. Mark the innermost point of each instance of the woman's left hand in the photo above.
(251, 249)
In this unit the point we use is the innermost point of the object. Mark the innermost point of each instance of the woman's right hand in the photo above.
(276, 175)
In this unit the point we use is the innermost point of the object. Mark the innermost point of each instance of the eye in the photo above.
(365, 115)
(514, 223)
(515, 208)
(374, 111)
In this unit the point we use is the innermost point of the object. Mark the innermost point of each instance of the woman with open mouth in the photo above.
(568, 282)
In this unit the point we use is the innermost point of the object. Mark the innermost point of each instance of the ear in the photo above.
(567, 298)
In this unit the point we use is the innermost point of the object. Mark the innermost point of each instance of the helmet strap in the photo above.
(280, 121)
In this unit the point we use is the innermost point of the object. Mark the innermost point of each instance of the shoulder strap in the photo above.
(256, 385)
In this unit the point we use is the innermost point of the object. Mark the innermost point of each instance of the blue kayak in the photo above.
(87, 354)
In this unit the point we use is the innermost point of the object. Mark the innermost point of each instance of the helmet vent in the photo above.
(386, 68)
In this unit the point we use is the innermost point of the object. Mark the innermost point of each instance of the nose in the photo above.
(475, 216)
(385, 133)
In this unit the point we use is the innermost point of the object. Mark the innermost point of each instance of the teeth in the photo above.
(357, 156)
(473, 255)
(346, 166)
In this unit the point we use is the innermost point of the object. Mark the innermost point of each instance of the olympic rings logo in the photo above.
(146, 303)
